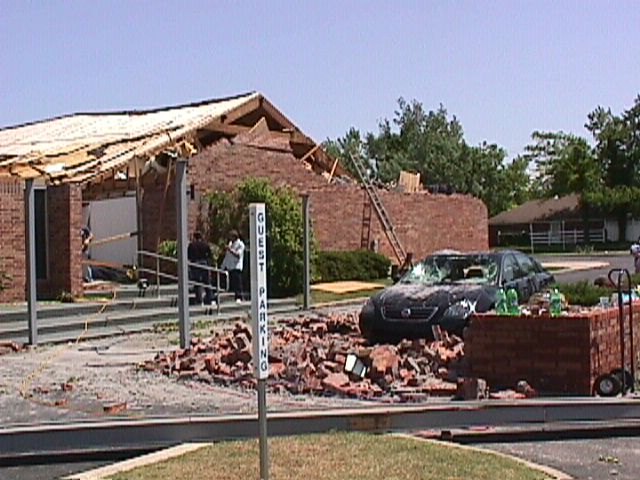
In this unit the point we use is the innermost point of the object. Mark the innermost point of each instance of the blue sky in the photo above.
(504, 68)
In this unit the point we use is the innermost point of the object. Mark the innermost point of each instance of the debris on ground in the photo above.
(314, 354)
(525, 389)
(115, 408)
(471, 388)
(9, 347)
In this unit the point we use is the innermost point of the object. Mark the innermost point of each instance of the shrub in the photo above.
(230, 211)
(333, 266)
(65, 297)
(583, 293)
(5, 279)
(168, 248)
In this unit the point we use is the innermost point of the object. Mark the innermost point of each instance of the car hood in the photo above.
(435, 294)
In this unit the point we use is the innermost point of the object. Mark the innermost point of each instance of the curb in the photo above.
(141, 461)
(554, 473)
(546, 432)
(179, 450)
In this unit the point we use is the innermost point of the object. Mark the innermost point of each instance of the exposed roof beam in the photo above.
(276, 114)
(242, 110)
(233, 130)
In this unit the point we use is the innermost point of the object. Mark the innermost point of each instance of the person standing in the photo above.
(233, 263)
(635, 251)
(199, 253)
(87, 238)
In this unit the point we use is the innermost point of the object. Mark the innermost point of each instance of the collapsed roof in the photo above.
(92, 147)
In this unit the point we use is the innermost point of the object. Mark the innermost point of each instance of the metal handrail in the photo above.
(218, 272)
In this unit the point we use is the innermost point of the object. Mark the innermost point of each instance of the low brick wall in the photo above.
(562, 355)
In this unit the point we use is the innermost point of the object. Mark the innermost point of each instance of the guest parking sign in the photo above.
(258, 233)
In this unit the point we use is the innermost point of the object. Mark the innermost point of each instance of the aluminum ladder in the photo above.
(381, 211)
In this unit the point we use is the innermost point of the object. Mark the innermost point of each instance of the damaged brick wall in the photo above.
(64, 218)
(158, 222)
(562, 355)
(424, 222)
(12, 239)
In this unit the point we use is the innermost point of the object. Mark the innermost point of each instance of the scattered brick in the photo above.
(67, 387)
(7, 347)
(525, 389)
(115, 408)
(308, 355)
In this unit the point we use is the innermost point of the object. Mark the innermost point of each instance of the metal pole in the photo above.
(218, 291)
(183, 272)
(306, 238)
(157, 277)
(258, 239)
(262, 419)
(531, 237)
(30, 227)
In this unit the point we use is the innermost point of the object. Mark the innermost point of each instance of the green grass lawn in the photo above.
(338, 456)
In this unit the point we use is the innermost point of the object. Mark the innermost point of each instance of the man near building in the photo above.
(87, 238)
(635, 251)
(233, 263)
(199, 253)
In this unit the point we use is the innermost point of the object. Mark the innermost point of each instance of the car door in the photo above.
(530, 279)
(544, 278)
(513, 277)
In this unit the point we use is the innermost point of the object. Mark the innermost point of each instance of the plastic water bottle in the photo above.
(512, 302)
(501, 302)
(555, 303)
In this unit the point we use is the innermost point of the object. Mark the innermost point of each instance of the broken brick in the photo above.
(115, 408)
(335, 382)
(308, 355)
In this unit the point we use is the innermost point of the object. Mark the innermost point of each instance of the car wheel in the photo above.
(628, 378)
(607, 385)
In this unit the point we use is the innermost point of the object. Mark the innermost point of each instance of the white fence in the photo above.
(566, 237)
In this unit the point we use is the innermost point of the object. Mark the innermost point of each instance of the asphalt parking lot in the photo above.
(47, 472)
(590, 459)
(613, 261)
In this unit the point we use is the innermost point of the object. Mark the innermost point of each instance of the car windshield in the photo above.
(464, 269)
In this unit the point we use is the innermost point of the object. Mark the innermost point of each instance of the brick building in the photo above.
(83, 158)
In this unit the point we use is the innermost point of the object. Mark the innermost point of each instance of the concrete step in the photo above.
(101, 290)
(132, 291)
(63, 329)
(14, 314)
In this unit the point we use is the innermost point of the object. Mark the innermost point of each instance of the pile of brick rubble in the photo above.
(308, 355)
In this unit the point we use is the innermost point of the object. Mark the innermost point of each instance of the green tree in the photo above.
(418, 141)
(617, 149)
(229, 210)
(344, 148)
(564, 163)
(432, 144)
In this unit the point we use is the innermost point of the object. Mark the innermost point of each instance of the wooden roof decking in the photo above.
(91, 147)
